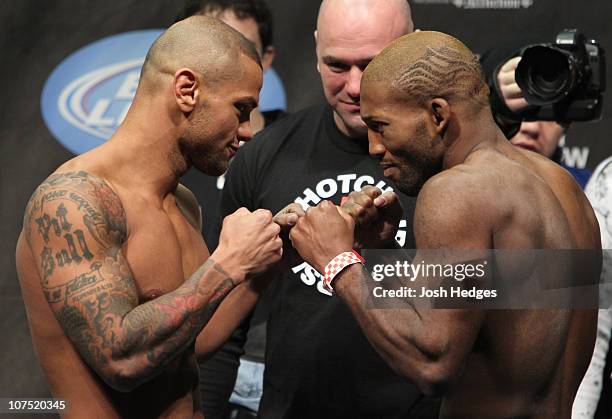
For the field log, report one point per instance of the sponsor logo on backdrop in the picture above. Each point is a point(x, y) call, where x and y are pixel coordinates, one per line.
point(575, 156)
point(482, 4)
point(87, 96)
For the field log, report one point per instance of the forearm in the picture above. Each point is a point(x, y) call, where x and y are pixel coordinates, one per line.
point(414, 342)
point(232, 311)
point(152, 334)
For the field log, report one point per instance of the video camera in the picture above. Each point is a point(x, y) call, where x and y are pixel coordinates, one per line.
point(563, 81)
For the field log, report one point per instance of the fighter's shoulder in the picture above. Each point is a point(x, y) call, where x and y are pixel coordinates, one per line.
point(189, 206)
point(86, 192)
point(459, 183)
point(455, 193)
point(451, 210)
point(502, 173)
point(72, 183)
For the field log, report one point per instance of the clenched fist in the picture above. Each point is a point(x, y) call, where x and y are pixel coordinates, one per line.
point(322, 234)
point(249, 243)
point(376, 216)
point(289, 216)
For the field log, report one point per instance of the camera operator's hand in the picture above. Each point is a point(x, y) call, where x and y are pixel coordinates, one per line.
point(509, 89)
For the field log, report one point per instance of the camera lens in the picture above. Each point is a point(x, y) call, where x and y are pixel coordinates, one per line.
point(545, 75)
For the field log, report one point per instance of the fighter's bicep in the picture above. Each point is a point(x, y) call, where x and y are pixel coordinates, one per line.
point(76, 243)
point(90, 305)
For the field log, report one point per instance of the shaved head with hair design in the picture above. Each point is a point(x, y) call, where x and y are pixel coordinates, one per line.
point(424, 65)
point(421, 95)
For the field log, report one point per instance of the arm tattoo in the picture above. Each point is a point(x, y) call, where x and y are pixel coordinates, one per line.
point(79, 226)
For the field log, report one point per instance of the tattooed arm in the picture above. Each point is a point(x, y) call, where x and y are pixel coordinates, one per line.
point(76, 226)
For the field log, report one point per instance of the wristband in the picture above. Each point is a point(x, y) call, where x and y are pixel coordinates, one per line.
point(337, 264)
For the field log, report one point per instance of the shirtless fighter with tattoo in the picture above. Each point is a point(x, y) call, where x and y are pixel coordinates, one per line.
point(425, 103)
point(117, 280)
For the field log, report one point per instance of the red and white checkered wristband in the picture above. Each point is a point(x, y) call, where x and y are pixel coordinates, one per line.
point(337, 264)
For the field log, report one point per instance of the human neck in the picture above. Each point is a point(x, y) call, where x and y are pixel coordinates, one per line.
point(479, 133)
point(145, 158)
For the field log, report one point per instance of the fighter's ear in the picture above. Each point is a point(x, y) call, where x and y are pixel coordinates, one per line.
point(439, 113)
point(186, 89)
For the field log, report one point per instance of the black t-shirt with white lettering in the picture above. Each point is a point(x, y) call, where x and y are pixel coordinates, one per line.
point(318, 361)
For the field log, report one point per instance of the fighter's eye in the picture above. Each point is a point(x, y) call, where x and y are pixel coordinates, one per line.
point(376, 126)
point(243, 110)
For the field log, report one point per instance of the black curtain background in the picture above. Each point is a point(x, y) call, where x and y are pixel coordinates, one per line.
point(35, 36)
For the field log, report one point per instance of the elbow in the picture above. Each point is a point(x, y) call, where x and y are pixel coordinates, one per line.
point(435, 378)
point(433, 372)
point(433, 362)
point(123, 376)
point(431, 378)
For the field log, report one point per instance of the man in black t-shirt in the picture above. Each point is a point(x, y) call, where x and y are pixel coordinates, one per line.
point(318, 362)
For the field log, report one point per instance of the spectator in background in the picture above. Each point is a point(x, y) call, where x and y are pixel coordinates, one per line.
point(318, 362)
point(594, 398)
point(543, 137)
point(218, 374)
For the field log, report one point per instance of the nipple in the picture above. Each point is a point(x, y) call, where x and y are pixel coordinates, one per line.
point(151, 295)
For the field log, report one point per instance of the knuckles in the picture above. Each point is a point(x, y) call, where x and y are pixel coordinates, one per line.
point(368, 202)
point(275, 229)
point(263, 215)
point(371, 191)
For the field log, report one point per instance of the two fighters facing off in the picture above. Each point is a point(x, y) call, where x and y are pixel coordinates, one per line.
point(119, 284)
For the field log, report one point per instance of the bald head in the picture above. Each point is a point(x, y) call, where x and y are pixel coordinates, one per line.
point(201, 43)
point(390, 13)
point(425, 65)
point(349, 34)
